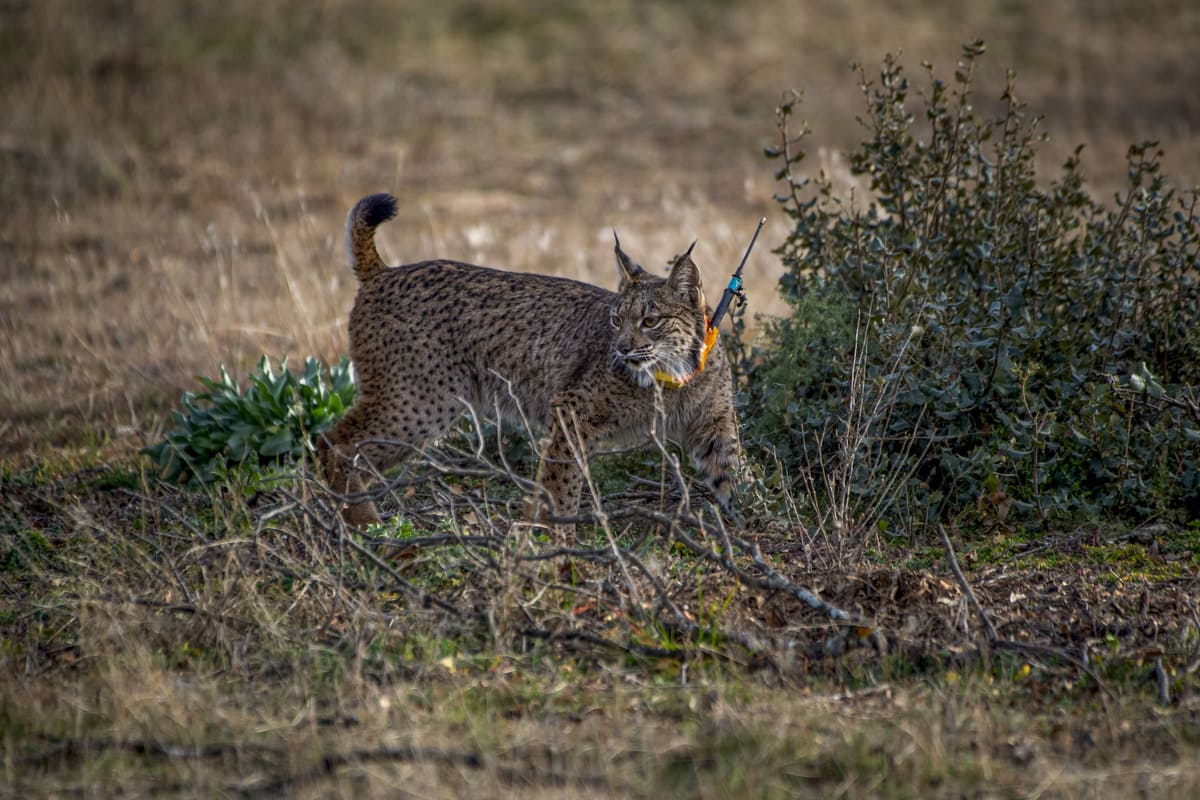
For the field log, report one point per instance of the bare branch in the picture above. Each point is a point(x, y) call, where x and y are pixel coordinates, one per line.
point(988, 628)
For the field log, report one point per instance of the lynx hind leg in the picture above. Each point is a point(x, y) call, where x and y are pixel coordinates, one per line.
point(348, 467)
point(344, 477)
point(369, 439)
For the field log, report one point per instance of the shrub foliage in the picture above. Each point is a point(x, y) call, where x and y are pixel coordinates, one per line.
point(273, 420)
point(967, 338)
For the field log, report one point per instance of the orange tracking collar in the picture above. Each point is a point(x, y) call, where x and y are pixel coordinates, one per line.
point(670, 381)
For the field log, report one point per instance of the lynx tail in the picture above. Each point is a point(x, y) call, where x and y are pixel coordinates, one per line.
point(367, 214)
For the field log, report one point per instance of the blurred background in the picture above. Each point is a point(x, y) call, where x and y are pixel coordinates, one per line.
point(174, 175)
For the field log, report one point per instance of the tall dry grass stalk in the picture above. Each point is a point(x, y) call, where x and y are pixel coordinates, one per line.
point(851, 481)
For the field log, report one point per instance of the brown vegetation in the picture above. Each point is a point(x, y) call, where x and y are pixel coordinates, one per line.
point(173, 180)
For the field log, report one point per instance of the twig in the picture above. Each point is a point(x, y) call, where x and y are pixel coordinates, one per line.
point(71, 747)
point(1187, 404)
point(771, 579)
point(1057, 652)
point(439, 540)
point(633, 649)
point(1194, 661)
point(329, 762)
point(988, 628)
point(993, 639)
point(1164, 684)
point(423, 597)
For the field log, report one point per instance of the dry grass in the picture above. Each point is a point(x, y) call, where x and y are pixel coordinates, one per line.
point(169, 643)
point(173, 180)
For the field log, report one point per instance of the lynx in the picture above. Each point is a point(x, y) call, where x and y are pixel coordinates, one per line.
point(585, 364)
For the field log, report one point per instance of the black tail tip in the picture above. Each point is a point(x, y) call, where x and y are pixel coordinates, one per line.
point(376, 209)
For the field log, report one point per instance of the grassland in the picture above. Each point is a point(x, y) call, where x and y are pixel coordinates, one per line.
point(173, 179)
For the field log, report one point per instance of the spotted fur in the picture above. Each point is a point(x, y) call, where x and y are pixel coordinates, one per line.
point(578, 360)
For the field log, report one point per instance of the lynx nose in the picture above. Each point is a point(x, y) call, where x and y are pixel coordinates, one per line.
point(631, 355)
point(635, 359)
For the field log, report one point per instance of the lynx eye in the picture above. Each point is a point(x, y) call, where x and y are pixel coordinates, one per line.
point(614, 319)
point(651, 322)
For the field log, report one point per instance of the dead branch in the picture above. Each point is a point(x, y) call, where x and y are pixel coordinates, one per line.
point(988, 628)
point(73, 748)
point(993, 639)
point(424, 598)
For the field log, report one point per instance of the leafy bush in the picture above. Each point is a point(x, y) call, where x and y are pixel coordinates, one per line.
point(275, 419)
point(965, 338)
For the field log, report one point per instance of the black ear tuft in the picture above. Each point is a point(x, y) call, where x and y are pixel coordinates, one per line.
point(685, 275)
point(630, 270)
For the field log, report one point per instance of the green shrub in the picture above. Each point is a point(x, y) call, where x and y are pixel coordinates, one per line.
point(274, 420)
point(965, 337)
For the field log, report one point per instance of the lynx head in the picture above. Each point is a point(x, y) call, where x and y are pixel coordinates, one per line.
point(658, 323)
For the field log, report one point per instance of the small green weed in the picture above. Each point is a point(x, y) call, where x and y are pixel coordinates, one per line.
point(273, 420)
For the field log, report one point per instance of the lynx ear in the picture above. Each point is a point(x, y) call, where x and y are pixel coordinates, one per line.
point(631, 271)
point(685, 275)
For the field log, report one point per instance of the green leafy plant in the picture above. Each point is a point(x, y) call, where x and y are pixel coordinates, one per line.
point(966, 338)
point(275, 419)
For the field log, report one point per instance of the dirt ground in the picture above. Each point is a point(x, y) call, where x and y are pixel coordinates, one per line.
point(174, 177)
point(149, 649)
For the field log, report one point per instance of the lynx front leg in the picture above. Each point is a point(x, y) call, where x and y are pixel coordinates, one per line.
point(561, 469)
point(716, 453)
